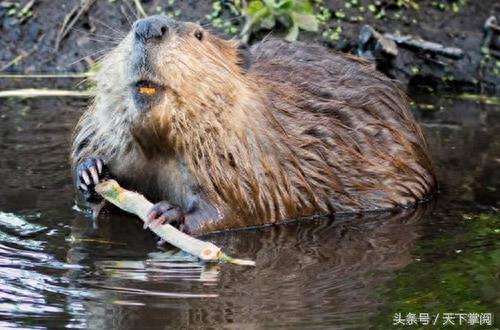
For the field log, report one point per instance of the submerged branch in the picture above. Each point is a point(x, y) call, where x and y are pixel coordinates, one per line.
point(137, 204)
point(426, 46)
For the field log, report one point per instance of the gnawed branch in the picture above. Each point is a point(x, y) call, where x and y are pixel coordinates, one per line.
point(137, 204)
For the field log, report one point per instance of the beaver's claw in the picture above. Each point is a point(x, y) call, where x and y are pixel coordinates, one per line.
point(88, 175)
point(163, 213)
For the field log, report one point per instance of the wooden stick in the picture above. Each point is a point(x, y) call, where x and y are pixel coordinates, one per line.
point(71, 19)
point(18, 59)
point(140, 8)
point(427, 46)
point(48, 75)
point(137, 204)
point(31, 92)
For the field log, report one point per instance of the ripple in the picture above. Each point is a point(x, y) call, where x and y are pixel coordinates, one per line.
point(31, 278)
point(19, 225)
point(164, 294)
point(14, 325)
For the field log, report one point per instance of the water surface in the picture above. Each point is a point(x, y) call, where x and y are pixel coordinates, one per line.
point(59, 268)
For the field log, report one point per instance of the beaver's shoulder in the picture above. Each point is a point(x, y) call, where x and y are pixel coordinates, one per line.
point(315, 78)
point(301, 64)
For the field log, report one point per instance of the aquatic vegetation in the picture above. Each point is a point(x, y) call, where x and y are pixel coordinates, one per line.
point(454, 6)
point(491, 100)
point(22, 13)
point(265, 14)
point(413, 4)
point(229, 26)
point(450, 271)
point(332, 34)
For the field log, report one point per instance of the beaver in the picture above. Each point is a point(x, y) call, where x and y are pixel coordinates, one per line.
point(222, 135)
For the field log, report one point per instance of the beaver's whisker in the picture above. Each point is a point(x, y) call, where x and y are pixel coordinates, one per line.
point(214, 56)
point(81, 82)
point(131, 9)
point(127, 17)
point(266, 37)
point(103, 41)
point(119, 33)
point(98, 35)
point(100, 57)
point(91, 33)
point(90, 55)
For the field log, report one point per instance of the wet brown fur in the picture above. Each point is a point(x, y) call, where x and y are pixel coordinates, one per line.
point(305, 131)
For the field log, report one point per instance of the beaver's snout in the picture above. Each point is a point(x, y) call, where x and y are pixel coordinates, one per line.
point(145, 85)
point(153, 28)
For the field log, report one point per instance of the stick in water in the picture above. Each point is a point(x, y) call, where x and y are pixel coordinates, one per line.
point(137, 204)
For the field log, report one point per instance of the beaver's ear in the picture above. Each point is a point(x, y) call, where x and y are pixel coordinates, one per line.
point(244, 57)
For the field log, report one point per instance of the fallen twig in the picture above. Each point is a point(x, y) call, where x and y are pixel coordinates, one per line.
point(47, 75)
point(71, 19)
point(490, 100)
point(30, 92)
point(18, 59)
point(140, 8)
point(424, 45)
point(491, 23)
point(491, 29)
point(137, 204)
point(371, 44)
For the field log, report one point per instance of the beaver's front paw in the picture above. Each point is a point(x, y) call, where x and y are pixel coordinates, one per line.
point(88, 174)
point(163, 213)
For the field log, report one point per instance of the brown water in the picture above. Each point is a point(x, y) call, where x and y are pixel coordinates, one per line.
point(59, 268)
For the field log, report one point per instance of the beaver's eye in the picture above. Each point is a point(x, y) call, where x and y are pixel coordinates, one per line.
point(199, 35)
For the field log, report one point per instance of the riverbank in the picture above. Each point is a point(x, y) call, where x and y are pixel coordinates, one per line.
point(39, 36)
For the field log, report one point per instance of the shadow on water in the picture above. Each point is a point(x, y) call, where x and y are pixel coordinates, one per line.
point(59, 268)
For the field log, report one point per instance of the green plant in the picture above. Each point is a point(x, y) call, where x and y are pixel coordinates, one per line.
point(408, 4)
point(264, 14)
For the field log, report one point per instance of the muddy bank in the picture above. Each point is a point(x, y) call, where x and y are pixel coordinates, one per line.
point(458, 24)
point(35, 38)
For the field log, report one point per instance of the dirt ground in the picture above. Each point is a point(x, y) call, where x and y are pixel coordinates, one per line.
point(30, 39)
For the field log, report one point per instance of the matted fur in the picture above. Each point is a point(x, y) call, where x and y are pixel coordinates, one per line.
point(305, 131)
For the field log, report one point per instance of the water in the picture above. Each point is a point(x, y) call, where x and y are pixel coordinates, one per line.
point(58, 268)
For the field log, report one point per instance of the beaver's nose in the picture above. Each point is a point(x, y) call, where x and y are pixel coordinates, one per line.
point(152, 28)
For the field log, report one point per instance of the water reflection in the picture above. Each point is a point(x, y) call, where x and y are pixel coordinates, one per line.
point(324, 271)
point(464, 139)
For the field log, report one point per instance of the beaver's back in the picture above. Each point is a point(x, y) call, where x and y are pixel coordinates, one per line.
point(348, 124)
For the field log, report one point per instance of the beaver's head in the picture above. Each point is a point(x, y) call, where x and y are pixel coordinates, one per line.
point(173, 78)
point(178, 66)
